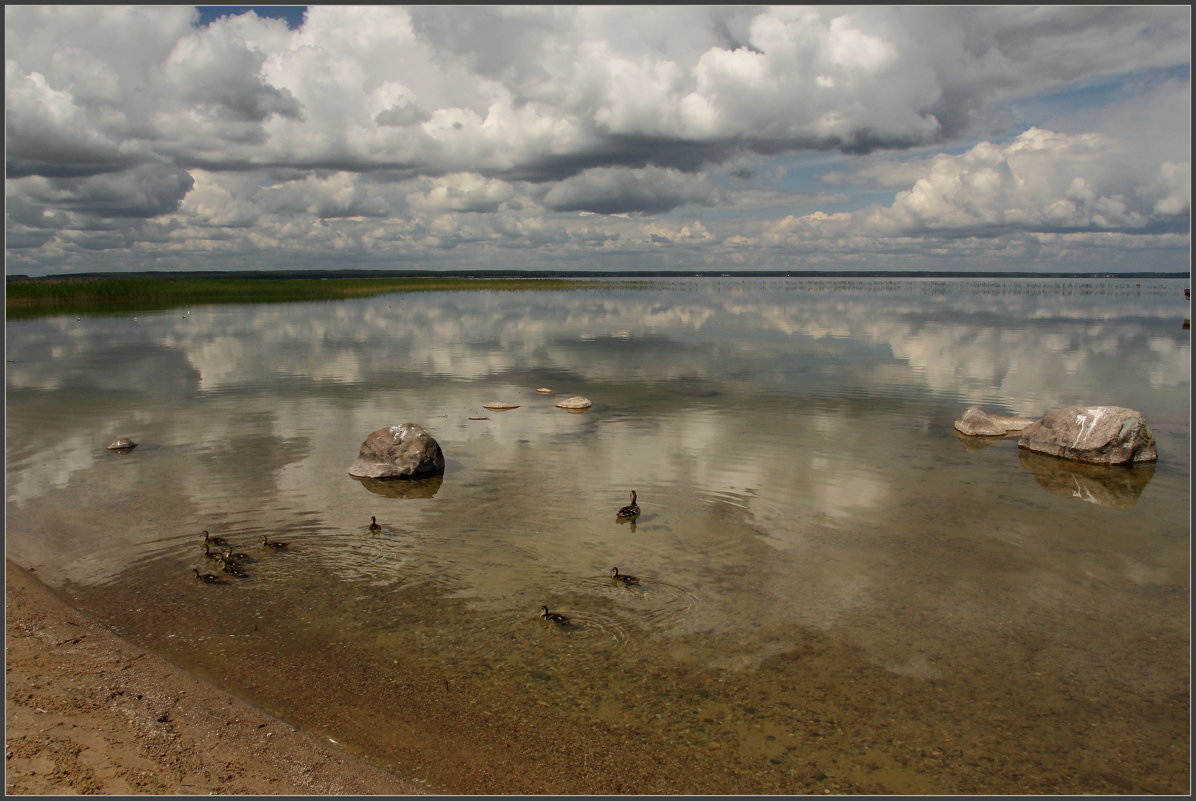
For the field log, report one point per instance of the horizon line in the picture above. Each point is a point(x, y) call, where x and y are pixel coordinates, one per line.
point(381, 273)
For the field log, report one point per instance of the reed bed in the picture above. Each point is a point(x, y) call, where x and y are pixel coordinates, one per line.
point(139, 293)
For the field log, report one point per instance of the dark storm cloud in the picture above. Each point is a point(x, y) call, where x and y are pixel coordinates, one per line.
point(609, 190)
point(145, 191)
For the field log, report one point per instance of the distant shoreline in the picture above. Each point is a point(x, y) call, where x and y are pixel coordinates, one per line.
point(144, 292)
point(575, 274)
point(116, 293)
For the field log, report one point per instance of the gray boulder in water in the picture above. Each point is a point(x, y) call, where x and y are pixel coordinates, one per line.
point(402, 451)
point(1092, 434)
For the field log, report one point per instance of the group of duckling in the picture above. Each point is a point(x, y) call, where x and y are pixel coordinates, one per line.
point(228, 560)
point(628, 512)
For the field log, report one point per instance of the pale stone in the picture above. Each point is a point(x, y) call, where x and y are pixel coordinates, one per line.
point(544, 391)
point(402, 451)
point(500, 405)
point(975, 422)
point(122, 444)
point(576, 402)
point(1092, 434)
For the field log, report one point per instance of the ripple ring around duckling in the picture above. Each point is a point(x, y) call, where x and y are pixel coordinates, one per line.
point(655, 604)
point(589, 625)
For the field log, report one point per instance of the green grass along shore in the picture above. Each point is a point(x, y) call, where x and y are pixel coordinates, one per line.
point(140, 293)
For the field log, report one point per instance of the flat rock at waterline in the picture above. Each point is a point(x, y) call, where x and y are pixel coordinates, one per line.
point(576, 402)
point(975, 422)
point(402, 451)
point(122, 444)
point(500, 405)
point(1092, 434)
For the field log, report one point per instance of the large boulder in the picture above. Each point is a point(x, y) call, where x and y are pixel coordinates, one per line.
point(1092, 434)
point(402, 451)
point(975, 422)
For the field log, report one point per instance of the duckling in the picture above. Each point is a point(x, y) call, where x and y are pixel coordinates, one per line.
point(229, 556)
point(208, 552)
point(276, 545)
point(553, 617)
point(208, 577)
point(374, 524)
point(214, 540)
point(615, 575)
point(630, 510)
point(230, 568)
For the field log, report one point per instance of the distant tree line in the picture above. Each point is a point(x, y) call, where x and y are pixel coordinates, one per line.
point(632, 274)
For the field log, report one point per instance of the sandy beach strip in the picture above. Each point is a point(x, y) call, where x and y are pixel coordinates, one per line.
point(89, 713)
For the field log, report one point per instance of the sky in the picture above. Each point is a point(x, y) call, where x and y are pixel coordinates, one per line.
point(622, 137)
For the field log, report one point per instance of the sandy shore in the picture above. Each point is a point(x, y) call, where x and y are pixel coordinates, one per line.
point(88, 712)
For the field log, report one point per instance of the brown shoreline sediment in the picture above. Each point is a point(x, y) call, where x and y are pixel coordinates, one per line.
point(834, 722)
point(88, 712)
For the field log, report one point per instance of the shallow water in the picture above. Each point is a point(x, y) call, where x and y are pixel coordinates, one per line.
point(837, 592)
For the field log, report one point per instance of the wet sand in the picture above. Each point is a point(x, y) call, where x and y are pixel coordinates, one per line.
point(89, 713)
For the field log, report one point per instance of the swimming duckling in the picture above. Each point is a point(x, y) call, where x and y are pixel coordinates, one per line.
point(553, 617)
point(208, 552)
point(214, 540)
point(208, 577)
point(267, 544)
point(230, 568)
point(229, 556)
point(630, 510)
point(615, 575)
point(374, 524)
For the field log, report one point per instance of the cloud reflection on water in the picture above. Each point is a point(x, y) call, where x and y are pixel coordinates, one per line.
point(784, 430)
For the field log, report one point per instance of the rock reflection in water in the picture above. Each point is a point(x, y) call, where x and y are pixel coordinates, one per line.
point(972, 444)
point(1118, 486)
point(402, 487)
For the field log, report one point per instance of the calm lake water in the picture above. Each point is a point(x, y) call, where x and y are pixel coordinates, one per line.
point(837, 592)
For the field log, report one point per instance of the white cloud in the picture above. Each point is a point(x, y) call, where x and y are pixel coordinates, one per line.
point(245, 131)
point(1041, 181)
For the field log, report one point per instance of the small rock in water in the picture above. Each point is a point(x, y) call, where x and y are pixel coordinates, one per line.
point(122, 444)
point(544, 391)
point(576, 402)
point(500, 405)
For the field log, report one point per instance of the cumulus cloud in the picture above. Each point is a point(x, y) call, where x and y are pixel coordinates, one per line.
point(462, 192)
point(424, 118)
point(48, 132)
point(220, 72)
point(610, 190)
point(1040, 182)
point(143, 191)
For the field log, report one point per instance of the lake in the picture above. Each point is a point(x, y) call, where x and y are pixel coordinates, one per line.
point(837, 592)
